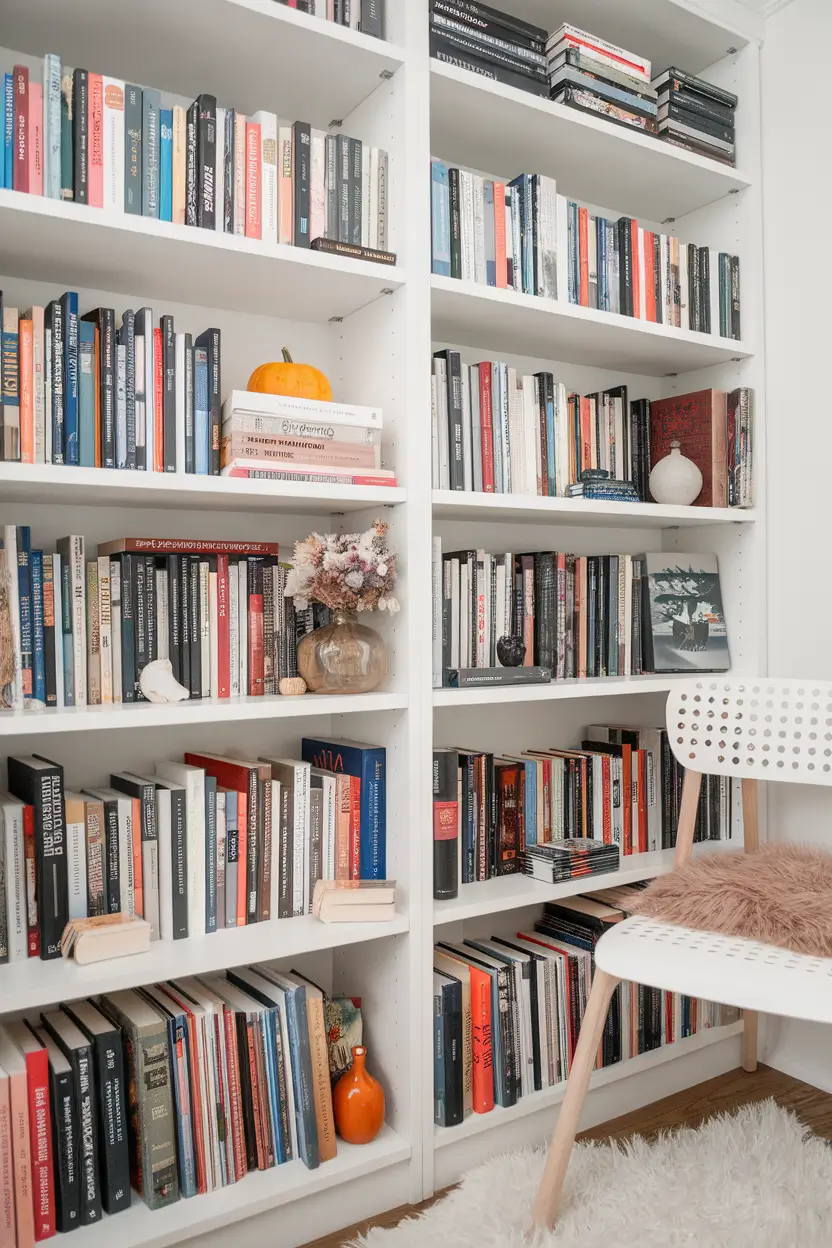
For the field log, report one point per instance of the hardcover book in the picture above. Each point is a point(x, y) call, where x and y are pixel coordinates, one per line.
point(684, 614)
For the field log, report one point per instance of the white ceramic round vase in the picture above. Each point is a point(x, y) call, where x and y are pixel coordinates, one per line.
point(675, 479)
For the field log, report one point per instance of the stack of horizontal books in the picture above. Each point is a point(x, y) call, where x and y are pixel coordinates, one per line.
point(488, 42)
point(696, 115)
point(589, 74)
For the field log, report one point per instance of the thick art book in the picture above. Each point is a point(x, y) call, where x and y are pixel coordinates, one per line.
point(683, 600)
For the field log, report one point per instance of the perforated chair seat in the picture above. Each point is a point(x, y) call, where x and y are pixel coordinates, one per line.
point(728, 969)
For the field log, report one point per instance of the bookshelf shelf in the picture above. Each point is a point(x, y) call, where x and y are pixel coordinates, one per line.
point(266, 50)
point(477, 1123)
point(467, 314)
point(258, 1192)
point(40, 984)
point(485, 125)
point(597, 687)
point(520, 509)
point(143, 715)
point(52, 240)
point(107, 487)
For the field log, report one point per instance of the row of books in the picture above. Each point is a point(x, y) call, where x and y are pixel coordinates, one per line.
point(510, 619)
point(174, 1090)
point(84, 390)
point(508, 1011)
point(273, 437)
point(205, 844)
point(498, 432)
point(364, 15)
point(500, 815)
point(86, 137)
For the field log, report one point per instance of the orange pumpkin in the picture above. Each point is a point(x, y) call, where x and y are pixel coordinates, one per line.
point(298, 381)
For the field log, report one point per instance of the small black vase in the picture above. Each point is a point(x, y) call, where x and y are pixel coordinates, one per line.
point(511, 651)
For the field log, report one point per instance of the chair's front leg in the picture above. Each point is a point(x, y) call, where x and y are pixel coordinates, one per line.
point(560, 1149)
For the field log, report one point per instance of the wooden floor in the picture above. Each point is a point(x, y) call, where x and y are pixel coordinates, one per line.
point(687, 1108)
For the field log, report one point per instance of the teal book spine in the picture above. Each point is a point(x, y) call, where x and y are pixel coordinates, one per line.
point(440, 220)
point(166, 164)
point(86, 394)
point(67, 140)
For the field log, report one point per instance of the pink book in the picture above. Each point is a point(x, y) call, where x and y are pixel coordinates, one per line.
point(95, 130)
point(36, 138)
point(7, 1231)
point(253, 227)
point(13, 1063)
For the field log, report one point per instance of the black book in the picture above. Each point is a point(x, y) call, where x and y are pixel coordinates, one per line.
point(127, 339)
point(169, 391)
point(128, 626)
point(133, 155)
point(453, 372)
point(675, 78)
point(40, 784)
point(625, 265)
point(449, 1097)
point(209, 341)
point(544, 609)
point(78, 1051)
point(192, 165)
point(195, 627)
point(109, 832)
point(207, 162)
point(227, 206)
point(54, 323)
point(456, 223)
point(179, 855)
point(640, 423)
point(332, 197)
point(707, 126)
point(302, 140)
point(80, 135)
point(445, 823)
point(184, 621)
point(693, 102)
point(190, 418)
point(104, 320)
point(150, 605)
point(354, 219)
point(481, 16)
point(108, 1067)
point(735, 298)
point(139, 574)
point(704, 289)
point(66, 1135)
point(694, 298)
point(342, 235)
point(465, 53)
point(371, 20)
point(175, 614)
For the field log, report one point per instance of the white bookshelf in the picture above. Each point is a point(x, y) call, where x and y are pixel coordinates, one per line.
point(371, 329)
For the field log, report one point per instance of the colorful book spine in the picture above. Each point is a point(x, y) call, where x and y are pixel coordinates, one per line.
point(133, 150)
point(69, 304)
point(38, 655)
point(8, 131)
point(21, 128)
point(367, 764)
point(95, 130)
point(113, 103)
point(166, 164)
point(151, 106)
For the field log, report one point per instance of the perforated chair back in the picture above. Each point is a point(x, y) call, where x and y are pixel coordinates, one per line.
point(753, 728)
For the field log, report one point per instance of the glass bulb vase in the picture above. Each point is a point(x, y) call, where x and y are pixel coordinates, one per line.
point(343, 657)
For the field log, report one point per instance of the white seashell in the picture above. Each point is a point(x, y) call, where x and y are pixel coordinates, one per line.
point(158, 683)
point(33, 705)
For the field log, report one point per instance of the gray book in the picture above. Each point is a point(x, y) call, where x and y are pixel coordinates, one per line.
point(133, 161)
point(316, 844)
point(355, 183)
point(371, 21)
point(222, 850)
point(490, 242)
point(332, 187)
point(232, 857)
point(210, 854)
point(151, 104)
point(343, 188)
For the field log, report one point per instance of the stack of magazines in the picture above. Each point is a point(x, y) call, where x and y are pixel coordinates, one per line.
point(569, 859)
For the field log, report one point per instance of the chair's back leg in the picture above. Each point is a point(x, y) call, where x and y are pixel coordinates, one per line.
point(687, 817)
point(751, 839)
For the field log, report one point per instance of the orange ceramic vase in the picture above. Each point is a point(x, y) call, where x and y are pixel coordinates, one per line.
point(358, 1102)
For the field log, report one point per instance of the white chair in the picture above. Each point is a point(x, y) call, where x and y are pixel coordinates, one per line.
point(752, 729)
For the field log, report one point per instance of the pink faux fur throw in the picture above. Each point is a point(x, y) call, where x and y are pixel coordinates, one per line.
point(781, 895)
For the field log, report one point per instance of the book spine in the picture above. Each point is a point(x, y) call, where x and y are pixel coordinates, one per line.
point(65, 1128)
point(169, 393)
point(22, 137)
point(114, 1163)
point(302, 139)
point(133, 154)
point(445, 824)
point(24, 598)
point(192, 165)
point(151, 106)
point(206, 162)
point(252, 181)
point(40, 1144)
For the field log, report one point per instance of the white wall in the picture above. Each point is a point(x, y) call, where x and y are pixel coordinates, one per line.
point(797, 193)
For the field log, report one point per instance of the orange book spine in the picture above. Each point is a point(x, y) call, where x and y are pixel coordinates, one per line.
point(355, 828)
point(255, 1099)
point(342, 835)
point(627, 799)
point(649, 275)
point(586, 433)
point(481, 1042)
point(235, 1093)
point(641, 772)
point(500, 234)
point(97, 390)
point(7, 1231)
point(27, 405)
point(95, 125)
point(158, 408)
point(636, 270)
point(242, 857)
point(583, 244)
point(136, 832)
point(23, 1192)
point(253, 214)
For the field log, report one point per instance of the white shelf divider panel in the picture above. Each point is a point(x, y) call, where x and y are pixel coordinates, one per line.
point(467, 314)
point(251, 54)
point(107, 487)
point(597, 687)
point(482, 124)
point(590, 513)
point(476, 1124)
point(56, 241)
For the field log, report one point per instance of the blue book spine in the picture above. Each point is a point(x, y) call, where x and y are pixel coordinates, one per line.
point(603, 290)
point(201, 411)
point(10, 395)
point(369, 763)
point(551, 462)
point(151, 107)
point(52, 126)
point(440, 219)
point(24, 593)
point(69, 304)
point(54, 327)
point(66, 631)
point(166, 164)
point(180, 1057)
point(530, 768)
point(298, 1029)
point(38, 658)
point(8, 130)
point(86, 394)
point(210, 854)
point(272, 1050)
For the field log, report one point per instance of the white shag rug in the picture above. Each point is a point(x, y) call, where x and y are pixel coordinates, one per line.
point(756, 1179)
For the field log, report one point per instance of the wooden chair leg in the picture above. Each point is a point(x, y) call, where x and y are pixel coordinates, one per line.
point(751, 840)
point(560, 1148)
point(687, 817)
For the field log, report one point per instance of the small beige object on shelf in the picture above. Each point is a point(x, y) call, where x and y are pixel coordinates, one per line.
point(105, 936)
point(292, 686)
point(354, 901)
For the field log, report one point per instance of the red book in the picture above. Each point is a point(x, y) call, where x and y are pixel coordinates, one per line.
point(586, 433)
point(487, 429)
point(95, 149)
point(242, 858)
point(627, 799)
point(481, 1043)
point(256, 657)
point(158, 404)
point(40, 1128)
point(699, 421)
point(649, 275)
point(196, 1086)
point(500, 234)
point(35, 138)
point(223, 629)
point(31, 896)
point(20, 158)
point(355, 828)
point(606, 769)
point(253, 228)
point(640, 765)
point(235, 1093)
point(583, 254)
point(636, 270)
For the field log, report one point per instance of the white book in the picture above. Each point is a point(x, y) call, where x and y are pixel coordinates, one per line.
point(500, 602)
point(162, 620)
point(506, 207)
point(317, 185)
point(273, 413)
point(141, 399)
point(145, 349)
point(664, 265)
point(76, 854)
point(219, 174)
point(268, 174)
point(113, 136)
point(562, 247)
point(274, 878)
point(684, 288)
point(466, 195)
point(286, 770)
point(383, 180)
point(14, 859)
point(58, 598)
point(105, 633)
point(531, 436)
point(365, 195)
point(456, 611)
point(548, 236)
point(205, 629)
point(213, 637)
point(329, 822)
point(35, 315)
point(713, 264)
point(436, 634)
point(115, 625)
point(285, 186)
point(464, 615)
point(479, 230)
point(561, 440)
point(467, 445)
point(239, 173)
point(434, 436)
point(180, 160)
point(179, 402)
point(515, 483)
point(233, 632)
point(642, 306)
point(163, 833)
point(72, 550)
point(193, 781)
point(10, 551)
point(222, 858)
point(242, 625)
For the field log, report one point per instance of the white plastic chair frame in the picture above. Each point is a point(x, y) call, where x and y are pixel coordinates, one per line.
point(754, 729)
